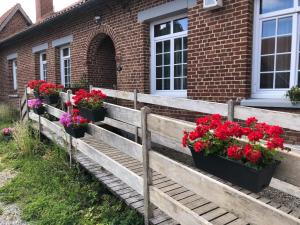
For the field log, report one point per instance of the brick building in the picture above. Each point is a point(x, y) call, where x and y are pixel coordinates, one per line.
point(245, 49)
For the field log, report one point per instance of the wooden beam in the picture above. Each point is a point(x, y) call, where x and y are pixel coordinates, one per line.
point(246, 207)
point(124, 145)
point(283, 119)
point(174, 209)
point(54, 111)
point(117, 94)
point(129, 177)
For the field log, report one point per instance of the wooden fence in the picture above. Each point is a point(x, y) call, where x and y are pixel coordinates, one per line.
point(168, 131)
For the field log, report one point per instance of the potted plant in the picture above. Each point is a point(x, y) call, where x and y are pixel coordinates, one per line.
point(36, 105)
point(294, 95)
point(74, 124)
point(35, 86)
point(7, 134)
point(90, 104)
point(50, 92)
point(215, 149)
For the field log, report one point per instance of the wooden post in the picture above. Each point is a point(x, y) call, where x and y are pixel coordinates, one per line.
point(62, 104)
point(20, 107)
point(69, 92)
point(231, 104)
point(146, 142)
point(40, 127)
point(136, 131)
point(27, 107)
point(91, 88)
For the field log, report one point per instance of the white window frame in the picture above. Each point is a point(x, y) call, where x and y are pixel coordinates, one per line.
point(172, 36)
point(62, 68)
point(257, 30)
point(43, 67)
point(15, 74)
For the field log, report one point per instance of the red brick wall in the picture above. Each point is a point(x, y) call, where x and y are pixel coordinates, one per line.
point(17, 23)
point(43, 8)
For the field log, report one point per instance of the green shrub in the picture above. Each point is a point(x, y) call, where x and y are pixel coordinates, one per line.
point(8, 113)
point(294, 95)
point(26, 139)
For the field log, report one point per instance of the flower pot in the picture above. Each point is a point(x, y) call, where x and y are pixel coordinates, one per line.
point(235, 172)
point(94, 115)
point(76, 132)
point(39, 111)
point(37, 95)
point(52, 99)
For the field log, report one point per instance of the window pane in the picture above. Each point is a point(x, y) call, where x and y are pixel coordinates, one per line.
point(158, 72)
point(162, 29)
point(159, 47)
point(65, 63)
point(166, 46)
point(167, 59)
point(184, 84)
point(283, 62)
point(185, 43)
point(184, 70)
point(177, 83)
point(159, 84)
point(268, 46)
point(44, 57)
point(167, 71)
point(298, 79)
point(180, 25)
point(274, 5)
point(267, 63)
point(178, 44)
point(178, 57)
point(266, 80)
point(167, 84)
point(282, 80)
point(184, 56)
point(66, 52)
point(158, 60)
point(285, 26)
point(177, 71)
point(284, 44)
point(268, 28)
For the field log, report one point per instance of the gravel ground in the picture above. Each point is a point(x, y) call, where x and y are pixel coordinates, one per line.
point(9, 214)
point(277, 196)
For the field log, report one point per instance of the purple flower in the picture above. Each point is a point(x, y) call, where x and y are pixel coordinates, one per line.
point(66, 120)
point(7, 131)
point(34, 103)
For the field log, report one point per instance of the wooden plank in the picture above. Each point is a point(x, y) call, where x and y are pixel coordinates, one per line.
point(130, 116)
point(185, 104)
point(283, 119)
point(112, 166)
point(117, 94)
point(127, 146)
point(177, 211)
point(288, 170)
point(226, 197)
point(285, 187)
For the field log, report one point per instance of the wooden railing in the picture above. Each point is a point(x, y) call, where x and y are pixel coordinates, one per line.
point(152, 127)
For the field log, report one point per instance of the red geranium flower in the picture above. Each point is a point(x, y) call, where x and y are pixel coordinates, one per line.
point(199, 146)
point(250, 121)
point(235, 152)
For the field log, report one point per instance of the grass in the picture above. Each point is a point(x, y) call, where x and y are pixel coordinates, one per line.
point(48, 191)
point(1, 211)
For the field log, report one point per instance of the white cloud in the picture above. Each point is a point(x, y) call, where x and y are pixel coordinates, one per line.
point(29, 6)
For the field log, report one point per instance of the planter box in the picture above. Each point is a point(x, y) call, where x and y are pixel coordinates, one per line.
point(93, 115)
point(52, 99)
point(76, 132)
point(235, 172)
point(39, 111)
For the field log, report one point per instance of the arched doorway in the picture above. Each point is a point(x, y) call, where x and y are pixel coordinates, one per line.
point(101, 62)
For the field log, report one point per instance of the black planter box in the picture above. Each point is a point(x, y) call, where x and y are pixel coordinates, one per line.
point(93, 115)
point(76, 132)
point(39, 111)
point(235, 172)
point(52, 99)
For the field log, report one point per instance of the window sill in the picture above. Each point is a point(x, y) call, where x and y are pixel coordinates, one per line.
point(13, 96)
point(269, 103)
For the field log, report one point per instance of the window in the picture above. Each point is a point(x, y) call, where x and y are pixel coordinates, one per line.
point(169, 57)
point(14, 73)
point(276, 64)
point(43, 66)
point(65, 66)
